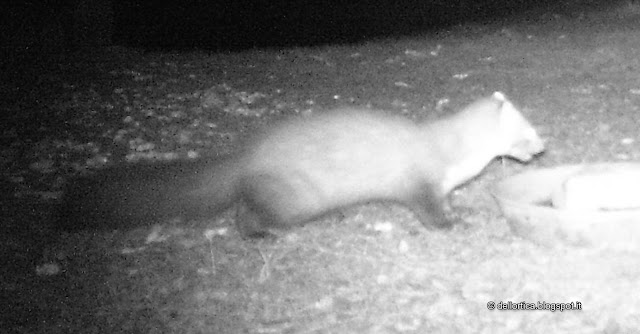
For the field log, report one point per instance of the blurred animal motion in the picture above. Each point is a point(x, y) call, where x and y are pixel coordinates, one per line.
point(305, 167)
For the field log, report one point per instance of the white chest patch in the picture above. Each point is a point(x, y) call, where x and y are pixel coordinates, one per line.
point(465, 170)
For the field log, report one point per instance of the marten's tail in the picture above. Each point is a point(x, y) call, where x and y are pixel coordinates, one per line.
point(214, 188)
point(145, 194)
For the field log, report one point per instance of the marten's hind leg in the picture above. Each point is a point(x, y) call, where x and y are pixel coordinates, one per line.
point(427, 205)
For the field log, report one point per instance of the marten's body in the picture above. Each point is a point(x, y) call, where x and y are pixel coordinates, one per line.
point(303, 168)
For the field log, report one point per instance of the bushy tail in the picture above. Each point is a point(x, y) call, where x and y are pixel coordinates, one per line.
point(215, 189)
point(145, 194)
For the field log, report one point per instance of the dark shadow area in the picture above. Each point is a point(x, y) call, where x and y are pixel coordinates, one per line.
point(53, 26)
point(237, 25)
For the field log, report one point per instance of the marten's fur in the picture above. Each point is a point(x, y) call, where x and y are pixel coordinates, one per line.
point(303, 168)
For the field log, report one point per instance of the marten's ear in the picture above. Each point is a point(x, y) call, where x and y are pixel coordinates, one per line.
point(499, 98)
point(510, 116)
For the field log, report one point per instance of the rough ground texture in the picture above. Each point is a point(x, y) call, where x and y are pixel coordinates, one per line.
point(575, 76)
